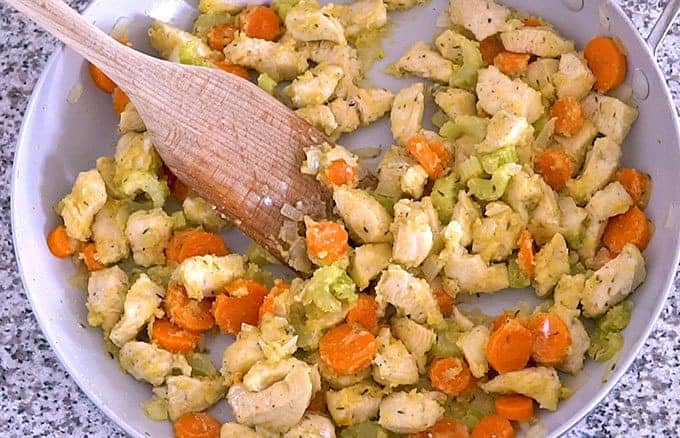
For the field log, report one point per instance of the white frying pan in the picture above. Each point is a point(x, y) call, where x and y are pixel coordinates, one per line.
point(59, 139)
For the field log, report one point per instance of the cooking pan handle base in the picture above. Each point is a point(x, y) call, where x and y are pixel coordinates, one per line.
point(663, 24)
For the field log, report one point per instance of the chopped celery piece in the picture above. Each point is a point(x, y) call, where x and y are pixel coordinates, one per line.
point(160, 274)
point(282, 7)
point(201, 365)
point(604, 345)
point(515, 276)
point(205, 22)
point(446, 341)
point(368, 429)
point(265, 82)
point(148, 183)
point(465, 76)
point(469, 169)
point(540, 123)
point(385, 201)
point(491, 162)
point(439, 118)
point(179, 221)
point(472, 126)
point(328, 287)
point(444, 194)
point(616, 318)
point(258, 255)
point(188, 54)
point(262, 276)
point(492, 189)
point(156, 408)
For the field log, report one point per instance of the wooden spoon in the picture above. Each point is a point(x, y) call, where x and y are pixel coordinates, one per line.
point(230, 141)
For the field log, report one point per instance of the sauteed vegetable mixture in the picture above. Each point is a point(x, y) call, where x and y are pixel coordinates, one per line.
point(519, 186)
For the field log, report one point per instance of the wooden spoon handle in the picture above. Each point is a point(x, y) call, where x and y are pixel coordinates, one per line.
point(72, 29)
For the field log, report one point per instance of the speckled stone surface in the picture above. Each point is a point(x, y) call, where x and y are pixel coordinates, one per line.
point(38, 398)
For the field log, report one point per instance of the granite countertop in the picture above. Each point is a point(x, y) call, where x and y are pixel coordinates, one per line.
point(38, 398)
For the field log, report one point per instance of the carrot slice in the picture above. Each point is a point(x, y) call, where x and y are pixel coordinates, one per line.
point(569, 116)
point(91, 262)
point(525, 255)
point(233, 69)
point(269, 306)
point(60, 244)
point(194, 242)
point(221, 35)
point(607, 61)
point(533, 22)
point(347, 349)
point(364, 313)
point(509, 346)
point(120, 100)
point(490, 47)
point(493, 426)
point(429, 153)
point(637, 184)
point(262, 22)
point(512, 64)
point(102, 81)
point(629, 227)
point(445, 301)
point(555, 167)
point(242, 306)
point(175, 339)
point(551, 338)
point(186, 313)
point(339, 173)
point(444, 428)
point(197, 425)
point(327, 241)
point(175, 244)
point(450, 375)
point(515, 407)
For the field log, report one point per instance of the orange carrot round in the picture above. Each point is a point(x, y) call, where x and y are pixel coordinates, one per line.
point(233, 69)
point(262, 22)
point(569, 116)
point(268, 306)
point(221, 35)
point(515, 407)
point(555, 167)
point(509, 346)
point(607, 61)
point(493, 426)
point(175, 339)
point(444, 428)
point(445, 301)
point(59, 242)
point(202, 243)
point(489, 48)
point(364, 313)
point(197, 425)
point(551, 338)
point(327, 241)
point(512, 64)
point(525, 255)
point(339, 173)
point(637, 184)
point(429, 153)
point(347, 349)
point(120, 100)
point(102, 81)
point(629, 227)
point(242, 305)
point(186, 313)
point(533, 22)
point(450, 375)
point(88, 252)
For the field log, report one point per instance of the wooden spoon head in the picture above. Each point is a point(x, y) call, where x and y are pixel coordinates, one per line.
point(235, 145)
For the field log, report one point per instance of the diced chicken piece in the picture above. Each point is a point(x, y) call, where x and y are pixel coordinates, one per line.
point(413, 234)
point(540, 383)
point(481, 17)
point(538, 41)
point(315, 86)
point(366, 218)
point(574, 78)
point(393, 365)
point(312, 426)
point(354, 404)
point(466, 212)
point(545, 219)
point(402, 5)
point(145, 361)
point(361, 16)
point(578, 144)
point(407, 113)
point(410, 295)
point(394, 163)
point(337, 381)
point(420, 60)
point(79, 207)
point(611, 116)
point(149, 232)
point(281, 61)
point(204, 276)
point(192, 394)
point(540, 75)
point(168, 41)
point(235, 430)
point(108, 232)
point(505, 130)
point(215, 6)
point(264, 374)
point(569, 290)
point(319, 116)
point(106, 290)
point(368, 261)
point(346, 115)
point(473, 345)
point(613, 282)
point(242, 354)
point(410, 412)
point(372, 103)
point(523, 194)
point(414, 180)
point(343, 55)
point(599, 168)
point(130, 120)
point(141, 303)
point(473, 275)
point(417, 339)
point(495, 236)
point(305, 22)
point(552, 261)
point(497, 92)
point(456, 102)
